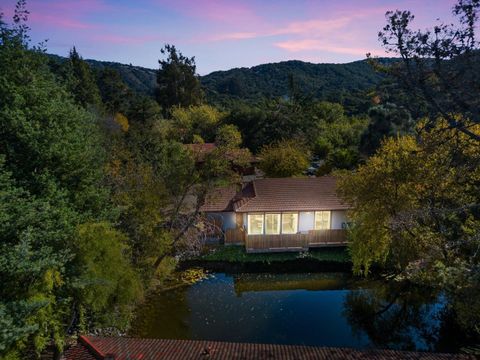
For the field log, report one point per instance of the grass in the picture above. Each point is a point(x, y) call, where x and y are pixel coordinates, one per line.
point(239, 255)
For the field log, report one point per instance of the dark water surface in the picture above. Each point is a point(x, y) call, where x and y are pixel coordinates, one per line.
point(326, 309)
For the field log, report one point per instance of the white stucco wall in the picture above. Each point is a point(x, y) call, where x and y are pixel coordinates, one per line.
point(306, 221)
point(228, 219)
point(338, 217)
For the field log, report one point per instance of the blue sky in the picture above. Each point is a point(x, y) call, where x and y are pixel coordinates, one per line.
point(221, 34)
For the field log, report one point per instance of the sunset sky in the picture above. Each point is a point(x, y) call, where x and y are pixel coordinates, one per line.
point(221, 34)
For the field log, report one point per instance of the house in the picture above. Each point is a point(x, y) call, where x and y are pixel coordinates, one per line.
point(281, 214)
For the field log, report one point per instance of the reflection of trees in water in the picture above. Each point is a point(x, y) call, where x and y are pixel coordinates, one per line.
point(397, 316)
point(164, 315)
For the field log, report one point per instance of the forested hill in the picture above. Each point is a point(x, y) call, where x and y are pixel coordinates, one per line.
point(321, 81)
point(141, 80)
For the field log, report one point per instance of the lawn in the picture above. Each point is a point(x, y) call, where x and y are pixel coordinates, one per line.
point(238, 254)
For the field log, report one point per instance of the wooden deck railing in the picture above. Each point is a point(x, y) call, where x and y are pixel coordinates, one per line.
point(295, 242)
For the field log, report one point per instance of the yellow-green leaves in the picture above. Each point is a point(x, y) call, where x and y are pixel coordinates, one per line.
point(284, 159)
point(412, 201)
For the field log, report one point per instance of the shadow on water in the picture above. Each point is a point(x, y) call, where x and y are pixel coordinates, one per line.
point(322, 309)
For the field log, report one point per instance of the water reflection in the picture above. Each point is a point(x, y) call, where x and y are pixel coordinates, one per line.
point(311, 309)
point(397, 317)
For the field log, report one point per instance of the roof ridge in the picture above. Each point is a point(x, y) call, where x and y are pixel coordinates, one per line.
point(245, 199)
point(95, 351)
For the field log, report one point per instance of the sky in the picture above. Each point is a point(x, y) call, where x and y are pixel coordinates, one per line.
point(221, 34)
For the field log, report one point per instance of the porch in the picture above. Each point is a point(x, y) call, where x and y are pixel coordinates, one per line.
point(286, 242)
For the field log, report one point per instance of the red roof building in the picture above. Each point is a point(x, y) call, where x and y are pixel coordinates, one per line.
point(123, 348)
point(280, 214)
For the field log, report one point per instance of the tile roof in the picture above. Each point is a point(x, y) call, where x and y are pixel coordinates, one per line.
point(220, 200)
point(122, 348)
point(281, 194)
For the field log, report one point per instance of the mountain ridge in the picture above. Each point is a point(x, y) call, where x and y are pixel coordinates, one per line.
point(325, 81)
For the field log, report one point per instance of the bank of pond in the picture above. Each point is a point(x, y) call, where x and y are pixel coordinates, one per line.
point(234, 259)
point(330, 309)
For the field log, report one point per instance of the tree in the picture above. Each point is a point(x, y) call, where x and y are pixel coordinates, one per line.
point(82, 81)
point(228, 136)
point(178, 84)
point(415, 212)
point(415, 207)
point(387, 120)
point(114, 92)
point(52, 192)
point(440, 66)
point(201, 120)
point(284, 159)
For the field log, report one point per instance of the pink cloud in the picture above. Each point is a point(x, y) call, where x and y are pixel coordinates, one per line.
point(311, 28)
point(59, 22)
point(319, 45)
point(234, 36)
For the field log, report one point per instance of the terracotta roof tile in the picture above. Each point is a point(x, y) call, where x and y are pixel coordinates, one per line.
point(294, 194)
point(220, 200)
point(282, 194)
point(121, 348)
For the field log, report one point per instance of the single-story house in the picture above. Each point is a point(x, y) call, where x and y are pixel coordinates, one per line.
point(280, 214)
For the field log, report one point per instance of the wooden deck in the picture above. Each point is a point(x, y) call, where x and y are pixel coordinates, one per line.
point(295, 242)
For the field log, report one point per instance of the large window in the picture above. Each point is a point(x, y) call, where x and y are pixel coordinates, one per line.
point(255, 224)
point(289, 223)
point(272, 224)
point(322, 220)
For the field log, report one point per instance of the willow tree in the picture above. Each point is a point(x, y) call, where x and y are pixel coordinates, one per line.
point(416, 205)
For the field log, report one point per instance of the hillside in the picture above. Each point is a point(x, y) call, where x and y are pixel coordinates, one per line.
point(321, 81)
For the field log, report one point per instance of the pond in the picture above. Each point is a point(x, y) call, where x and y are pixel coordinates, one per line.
point(321, 309)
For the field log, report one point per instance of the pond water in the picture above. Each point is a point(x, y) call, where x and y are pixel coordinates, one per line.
point(326, 309)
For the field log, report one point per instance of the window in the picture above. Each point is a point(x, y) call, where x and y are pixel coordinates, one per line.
point(272, 224)
point(322, 220)
point(289, 223)
point(255, 224)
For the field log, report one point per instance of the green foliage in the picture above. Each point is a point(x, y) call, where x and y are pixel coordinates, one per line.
point(115, 94)
point(337, 82)
point(412, 206)
point(387, 120)
point(228, 136)
point(336, 136)
point(83, 86)
point(237, 254)
point(34, 234)
point(51, 182)
point(201, 120)
point(177, 83)
point(140, 194)
point(108, 279)
point(379, 190)
point(284, 159)
point(440, 67)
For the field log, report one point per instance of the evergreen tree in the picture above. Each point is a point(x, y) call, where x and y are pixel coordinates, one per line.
point(83, 85)
point(177, 82)
point(52, 196)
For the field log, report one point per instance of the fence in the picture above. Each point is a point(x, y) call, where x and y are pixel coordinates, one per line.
point(295, 242)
